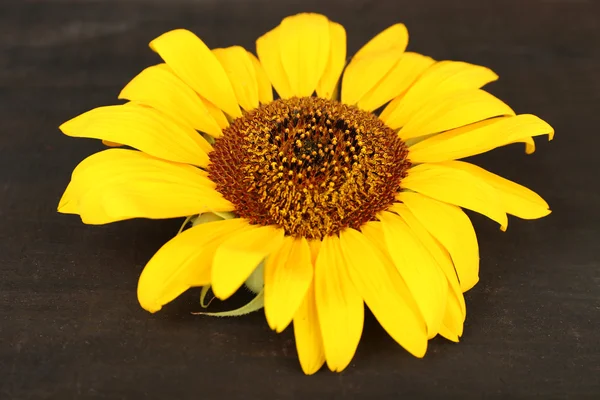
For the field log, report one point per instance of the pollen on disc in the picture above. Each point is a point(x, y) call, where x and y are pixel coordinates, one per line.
point(309, 165)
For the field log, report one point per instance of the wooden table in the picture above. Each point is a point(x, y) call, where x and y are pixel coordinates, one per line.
point(70, 324)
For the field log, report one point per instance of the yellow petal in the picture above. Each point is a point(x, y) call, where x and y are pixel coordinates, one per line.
point(457, 187)
point(307, 332)
point(340, 307)
point(144, 129)
point(216, 113)
point(373, 230)
point(445, 332)
point(418, 269)
point(183, 262)
point(382, 288)
point(454, 315)
point(315, 246)
point(453, 111)
point(516, 199)
point(267, 48)
point(441, 256)
point(389, 112)
point(240, 254)
point(119, 184)
point(241, 73)
point(304, 48)
point(393, 38)
point(158, 87)
point(453, 229)
point(479, 138)
point(397, 81)
point(441, 79)
point(335, 64)
point(454, 318)
point(529, 144)
point(108, 143)
point(372, 62)
point(194, 63)
point(265, 92)
point(288, 274)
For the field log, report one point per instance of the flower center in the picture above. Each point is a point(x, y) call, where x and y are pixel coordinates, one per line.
point(309, 165)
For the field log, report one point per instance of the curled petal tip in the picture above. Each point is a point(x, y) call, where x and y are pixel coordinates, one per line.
point(150, 306)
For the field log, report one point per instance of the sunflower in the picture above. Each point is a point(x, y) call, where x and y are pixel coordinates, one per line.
point(345, 190)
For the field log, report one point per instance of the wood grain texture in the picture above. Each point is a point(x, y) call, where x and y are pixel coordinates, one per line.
point(70, 325)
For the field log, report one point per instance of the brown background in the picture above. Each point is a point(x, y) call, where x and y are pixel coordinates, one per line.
point(70, 325)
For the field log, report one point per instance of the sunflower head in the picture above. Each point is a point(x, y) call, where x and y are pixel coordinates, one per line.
point(319, 205)
point(309, 165)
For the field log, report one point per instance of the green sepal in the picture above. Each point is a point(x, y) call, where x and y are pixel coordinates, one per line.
point(203, 294)
point(255, 304)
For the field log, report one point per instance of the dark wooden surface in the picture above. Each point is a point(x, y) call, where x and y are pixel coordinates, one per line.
point(70, 325)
